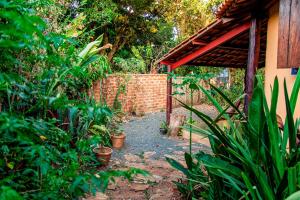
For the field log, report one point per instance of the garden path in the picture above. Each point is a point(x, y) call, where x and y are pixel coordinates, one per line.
point(146, 148)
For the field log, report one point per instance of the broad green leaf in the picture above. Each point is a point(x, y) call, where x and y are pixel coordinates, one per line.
point(294, 196)
point(290, 121)
point(189, 161)
point(229, 101)
point(177, 166)
point(7, 193)
point(249, 185)
point(292, 180)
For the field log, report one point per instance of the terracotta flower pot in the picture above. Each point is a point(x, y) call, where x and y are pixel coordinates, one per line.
point(103, 154)
point(118, 141)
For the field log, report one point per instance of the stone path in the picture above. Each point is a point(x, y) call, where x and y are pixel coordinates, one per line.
point(145, 148)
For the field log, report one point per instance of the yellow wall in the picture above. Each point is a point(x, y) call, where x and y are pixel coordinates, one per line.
point(271, 70)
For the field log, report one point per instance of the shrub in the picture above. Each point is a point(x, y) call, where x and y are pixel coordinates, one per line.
point(250, 158)
point(46, 112)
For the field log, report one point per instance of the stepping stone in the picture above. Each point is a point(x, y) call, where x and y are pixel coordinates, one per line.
point(179, 152)
point(183, 144)
point(112, 186)
point(147, 179)
point(99, 196)
point(171, 156)
point(157, 178)
point(162, 191)
point(137, 165)
point(149, 154)
point(132, 158)
point(159, 164)
point(138, 187)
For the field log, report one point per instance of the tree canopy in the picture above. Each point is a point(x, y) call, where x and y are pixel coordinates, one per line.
point(139, 31)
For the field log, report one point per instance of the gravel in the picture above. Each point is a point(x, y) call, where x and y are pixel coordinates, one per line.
point(142, 135)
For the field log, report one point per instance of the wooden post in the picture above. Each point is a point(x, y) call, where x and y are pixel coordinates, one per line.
point(253, 59)
point(169, 98)
point(289, 34)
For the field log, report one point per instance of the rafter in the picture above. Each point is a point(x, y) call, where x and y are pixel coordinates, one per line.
point(210, 46)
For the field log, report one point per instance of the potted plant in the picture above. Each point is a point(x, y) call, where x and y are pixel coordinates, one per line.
point(103, 154)
point(102, 150)
point(163, 128)
point(117, 134)
point(118, 138)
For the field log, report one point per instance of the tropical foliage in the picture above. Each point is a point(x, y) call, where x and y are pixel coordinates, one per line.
point(151, 26)
point(46, 113)
point(192, 82)
point(252, 157)
point(188, 16)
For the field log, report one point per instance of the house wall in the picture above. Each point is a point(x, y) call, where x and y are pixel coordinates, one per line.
point(271, 70)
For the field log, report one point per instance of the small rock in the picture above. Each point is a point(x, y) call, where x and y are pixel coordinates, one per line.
point(170, 156)
point(117, 162)
point(157, 178)
point(148, 154)
point(132, 158)
point(183, 144)
point(137, 165)
point(147, 179)
point(141, 179)
point(112, 186)
point(98, 196)
point(178, 152)
point(159, 194)
point(176, 122)
point(159, 164)
point(156, 197)
point(139, 187)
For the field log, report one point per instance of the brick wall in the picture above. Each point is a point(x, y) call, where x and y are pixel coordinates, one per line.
point(144, 93)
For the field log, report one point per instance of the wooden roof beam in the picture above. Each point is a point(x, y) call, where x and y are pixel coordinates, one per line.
point(165, 63)
point(210, 46)
point(198, 42)
point(233, 48)
point(201, 43)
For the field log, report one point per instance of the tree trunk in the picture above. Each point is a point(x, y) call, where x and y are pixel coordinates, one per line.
point(119, 44)
point(114, 49)
point(105, 41)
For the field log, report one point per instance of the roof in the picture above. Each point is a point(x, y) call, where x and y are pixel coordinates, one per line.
point(233, 52)
point(239, 8)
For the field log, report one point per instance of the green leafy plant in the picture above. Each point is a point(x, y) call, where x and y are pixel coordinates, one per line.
point(114, 126)
point(164, 125)
point(102, 132)
point(46, 111)
point(252, 158)
point(117, 104)
point(196, 183)
point(129, 65)
point(164, 128)
point(192, 82)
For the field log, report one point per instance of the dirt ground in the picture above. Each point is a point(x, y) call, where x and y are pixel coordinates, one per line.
point(147, 149)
